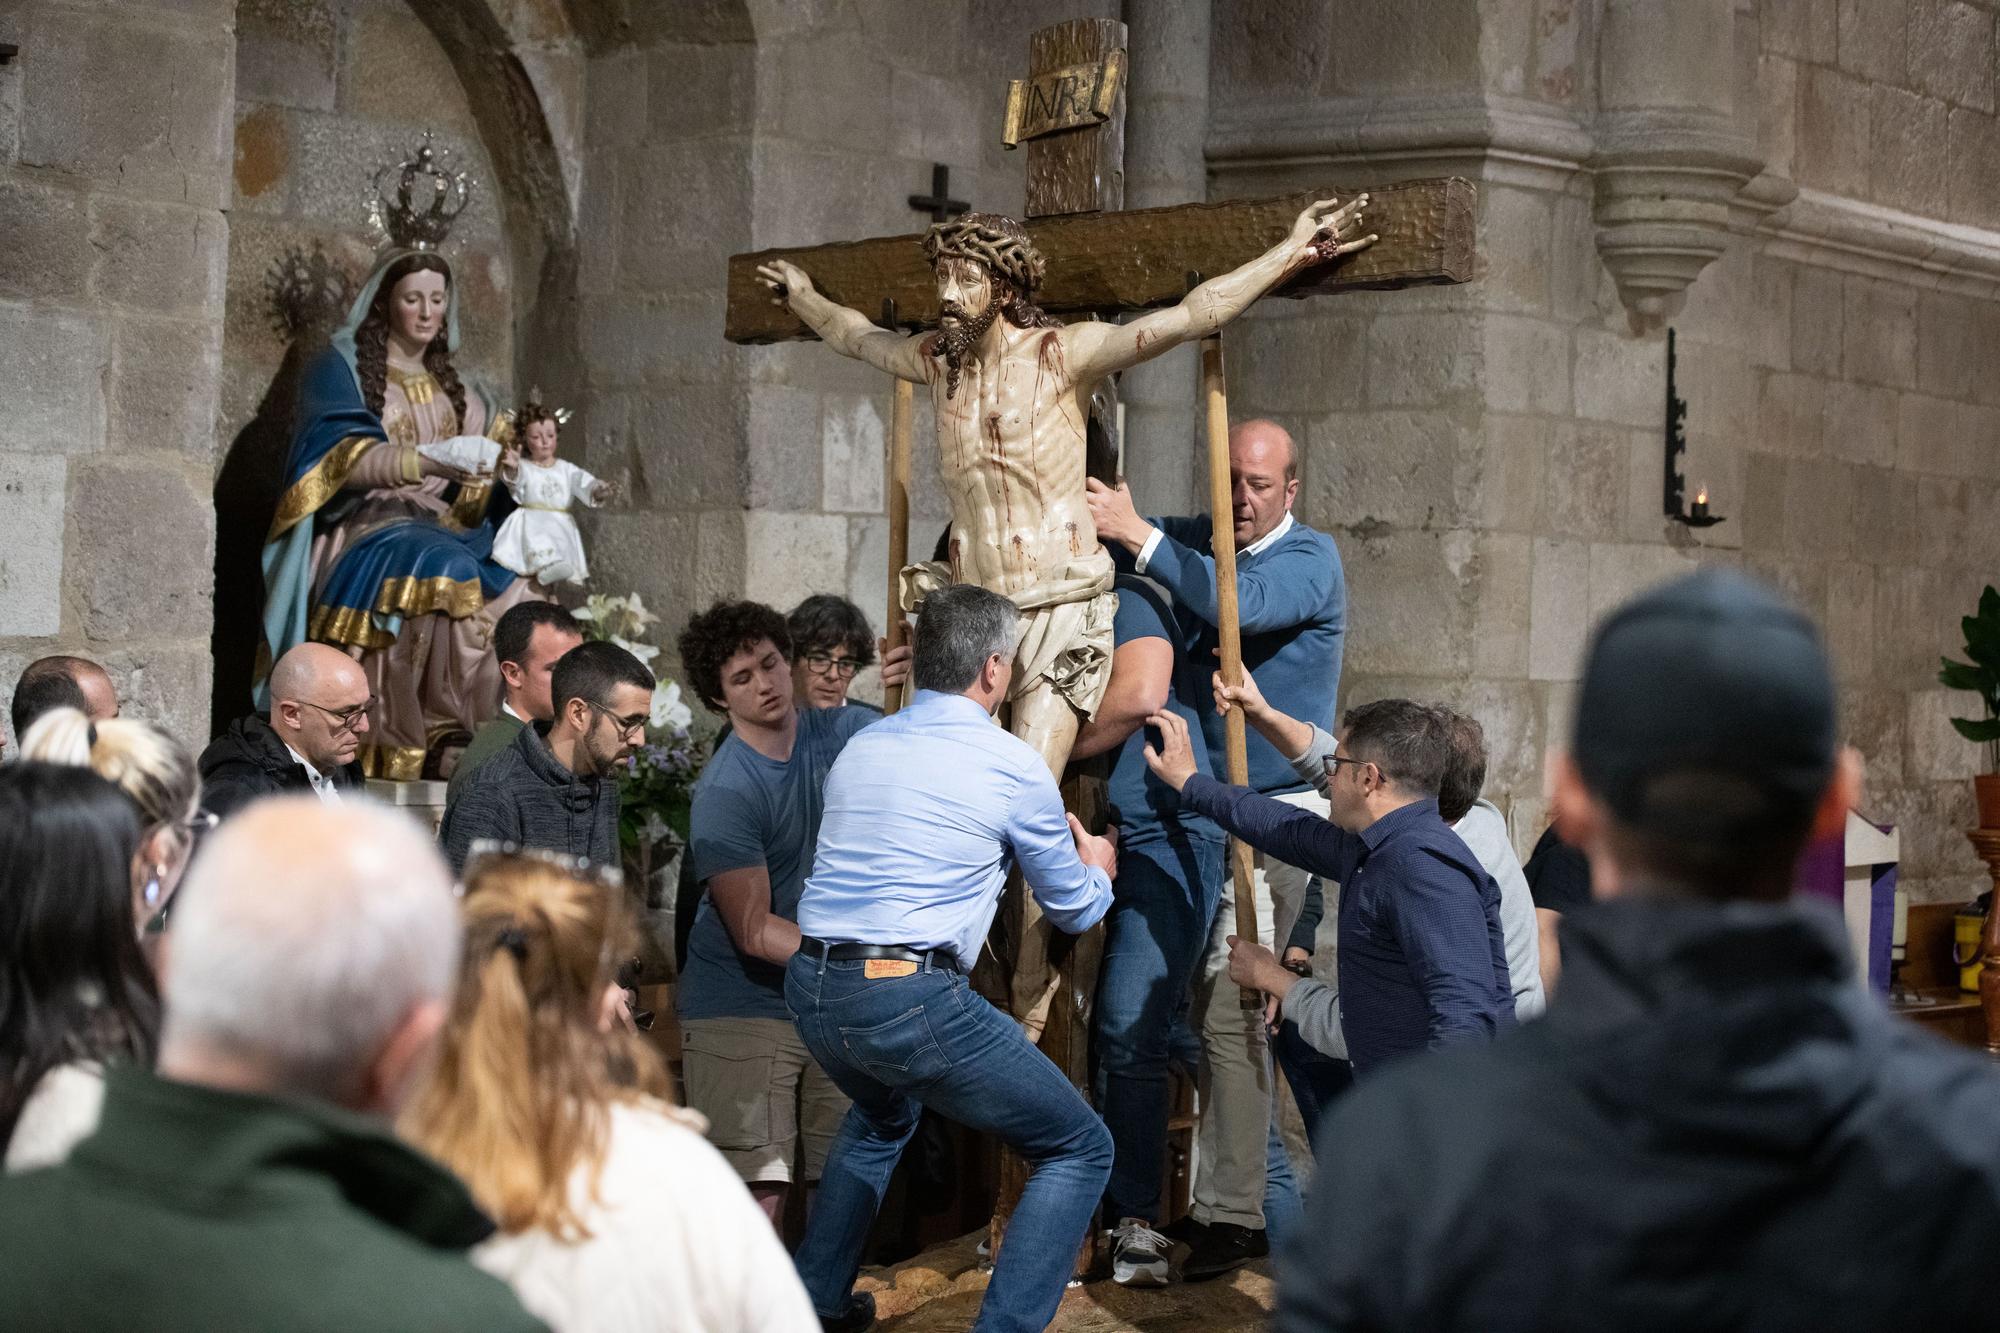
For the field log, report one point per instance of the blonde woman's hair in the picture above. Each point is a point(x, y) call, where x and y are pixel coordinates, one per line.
point(524, 1084)
point(149, 766)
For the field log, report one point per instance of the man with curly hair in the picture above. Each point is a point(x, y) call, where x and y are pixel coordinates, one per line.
point(1012, 396)
point(754, 825)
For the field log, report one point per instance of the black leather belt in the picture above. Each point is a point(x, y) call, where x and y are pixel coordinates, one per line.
point(847, 953)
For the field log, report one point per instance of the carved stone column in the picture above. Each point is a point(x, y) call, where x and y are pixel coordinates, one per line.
point(1165, 127)
point(1671, 154)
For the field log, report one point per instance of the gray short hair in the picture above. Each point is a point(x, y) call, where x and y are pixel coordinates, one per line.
point(303, 937)
point(958, 628)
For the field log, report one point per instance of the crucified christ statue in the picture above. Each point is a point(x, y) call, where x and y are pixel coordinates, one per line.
point(1011, 389)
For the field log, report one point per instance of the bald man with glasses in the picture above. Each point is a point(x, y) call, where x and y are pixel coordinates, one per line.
point(309, 743)
point(555, 786)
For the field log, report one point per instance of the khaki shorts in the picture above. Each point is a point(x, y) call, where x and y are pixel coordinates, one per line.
point(762, 1093)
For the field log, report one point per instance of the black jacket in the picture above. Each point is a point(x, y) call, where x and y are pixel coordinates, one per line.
point(523, 796)
point(248, 761)
point(1713, 1127)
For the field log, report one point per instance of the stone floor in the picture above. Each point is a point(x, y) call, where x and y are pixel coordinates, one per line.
point(940, 1289)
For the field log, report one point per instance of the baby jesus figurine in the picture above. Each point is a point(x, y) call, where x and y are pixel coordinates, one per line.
point(539, 540)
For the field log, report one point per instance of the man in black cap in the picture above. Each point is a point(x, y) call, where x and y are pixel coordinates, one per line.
point(1714, 1126)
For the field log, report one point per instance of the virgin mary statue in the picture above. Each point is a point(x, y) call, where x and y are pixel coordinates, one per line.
point(382, 545)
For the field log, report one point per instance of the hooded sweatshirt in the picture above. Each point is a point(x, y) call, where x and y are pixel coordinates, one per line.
point(1714, 1127)
point(522, 795)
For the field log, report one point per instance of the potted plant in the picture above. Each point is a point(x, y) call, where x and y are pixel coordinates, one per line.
point(656, 788)
point(1981, 676)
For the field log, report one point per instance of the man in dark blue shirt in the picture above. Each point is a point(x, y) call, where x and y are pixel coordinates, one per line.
point(1163, 903)
point(1422, 958)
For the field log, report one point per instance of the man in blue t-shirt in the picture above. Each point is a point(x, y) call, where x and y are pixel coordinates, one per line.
point(1170, 873)
point(755, 823)
point(1292, 609)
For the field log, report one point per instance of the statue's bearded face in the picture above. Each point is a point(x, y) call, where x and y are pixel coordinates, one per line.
point(417, 307)
point(965, 292)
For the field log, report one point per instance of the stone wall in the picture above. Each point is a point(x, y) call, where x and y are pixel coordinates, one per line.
point(1490, 456)
point(758, 472)
point(114, 178)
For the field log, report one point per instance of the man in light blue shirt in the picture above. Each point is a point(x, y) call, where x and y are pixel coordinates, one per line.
point(925, 811)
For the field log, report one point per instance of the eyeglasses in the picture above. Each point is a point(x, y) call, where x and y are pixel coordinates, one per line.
point(820, 664)
point(344, 719)
point(626, 725)
point(1334, 761)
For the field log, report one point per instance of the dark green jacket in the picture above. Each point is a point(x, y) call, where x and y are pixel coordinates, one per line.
point(197, 1209)
point(491, 738)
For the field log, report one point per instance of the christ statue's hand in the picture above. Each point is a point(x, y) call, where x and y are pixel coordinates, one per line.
point(1320, 230)
point(787, 281)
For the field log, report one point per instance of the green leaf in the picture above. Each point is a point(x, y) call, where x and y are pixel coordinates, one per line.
point(1987, 730)
point(1961, 676)
point(1989, 603)
point(1982, 641)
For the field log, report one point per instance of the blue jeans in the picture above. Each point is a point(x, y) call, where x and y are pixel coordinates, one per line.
point(1282, 1202)
point(1164, 901)
point(897, 1044)
point(1316, 1078)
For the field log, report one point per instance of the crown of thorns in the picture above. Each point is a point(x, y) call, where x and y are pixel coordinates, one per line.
point(998, 242)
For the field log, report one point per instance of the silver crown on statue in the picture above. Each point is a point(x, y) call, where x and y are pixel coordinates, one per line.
point(430, 193)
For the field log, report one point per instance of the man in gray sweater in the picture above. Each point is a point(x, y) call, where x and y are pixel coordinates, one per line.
point(555, 786)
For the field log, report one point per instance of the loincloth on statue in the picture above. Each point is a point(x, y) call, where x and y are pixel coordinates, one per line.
point(1066, 627)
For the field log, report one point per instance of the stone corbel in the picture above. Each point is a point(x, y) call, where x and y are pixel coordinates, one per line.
point(1665, 184)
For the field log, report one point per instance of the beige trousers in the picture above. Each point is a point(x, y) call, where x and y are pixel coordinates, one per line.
point(1235, 1084)
point(767, 1101)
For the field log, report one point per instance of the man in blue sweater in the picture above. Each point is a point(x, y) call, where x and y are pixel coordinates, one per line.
point(1423, 960)
point(1292, 607)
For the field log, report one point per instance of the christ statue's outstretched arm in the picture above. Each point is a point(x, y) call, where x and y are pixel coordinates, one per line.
point(1099, 349)
point(846, 331)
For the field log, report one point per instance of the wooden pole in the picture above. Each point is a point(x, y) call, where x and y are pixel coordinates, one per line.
point(1222, 509)
point(899, 507)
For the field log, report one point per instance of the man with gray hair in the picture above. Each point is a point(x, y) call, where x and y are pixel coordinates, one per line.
point(255, 1171)
point(924, 811)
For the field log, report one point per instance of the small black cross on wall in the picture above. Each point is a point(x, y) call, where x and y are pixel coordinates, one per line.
point(939, 203)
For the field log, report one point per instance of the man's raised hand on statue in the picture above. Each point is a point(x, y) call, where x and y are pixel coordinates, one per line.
point(1319, 235)
point(1114, 515)
point(1094, 851)
point(846, 331)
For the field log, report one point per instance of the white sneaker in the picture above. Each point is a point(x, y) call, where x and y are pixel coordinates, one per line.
point(1138, 1255)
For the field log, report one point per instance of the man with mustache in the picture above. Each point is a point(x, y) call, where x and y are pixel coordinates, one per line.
point(1012, 398)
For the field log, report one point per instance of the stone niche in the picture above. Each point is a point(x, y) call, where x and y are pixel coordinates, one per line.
point(327, 91)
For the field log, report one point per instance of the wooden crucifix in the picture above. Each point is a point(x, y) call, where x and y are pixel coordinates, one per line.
point(1012, 394)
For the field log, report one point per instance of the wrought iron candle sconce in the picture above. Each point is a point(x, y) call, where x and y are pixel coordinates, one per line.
point(1676, 489)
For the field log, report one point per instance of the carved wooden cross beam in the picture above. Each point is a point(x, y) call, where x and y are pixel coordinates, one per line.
point(1105, 263)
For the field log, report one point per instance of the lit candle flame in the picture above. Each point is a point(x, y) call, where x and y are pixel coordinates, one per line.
point(1701, 496)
